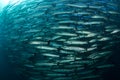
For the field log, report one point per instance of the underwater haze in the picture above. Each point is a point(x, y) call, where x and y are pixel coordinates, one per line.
point(59, 40)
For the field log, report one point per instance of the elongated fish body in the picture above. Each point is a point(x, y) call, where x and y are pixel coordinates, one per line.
point(61, 39)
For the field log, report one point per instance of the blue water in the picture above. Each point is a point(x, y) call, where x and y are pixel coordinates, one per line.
point(7, 70)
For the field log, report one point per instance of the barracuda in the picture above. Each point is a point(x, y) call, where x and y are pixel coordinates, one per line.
point(62, 27)
point(59, 13)
point(105, 66)
point(46, 48)
point(45, 64)
point(76, 42)
point(55, 75)
point(90, 77)
point(64, 70)
point(105, 39)
point(66, 22)
point(66, 34)
point(38, 42)
point(99, 17)
point(74, 48)
point(77, 6)
point(50, 55)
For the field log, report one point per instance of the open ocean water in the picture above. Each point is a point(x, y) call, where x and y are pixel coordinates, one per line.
point(60, 40)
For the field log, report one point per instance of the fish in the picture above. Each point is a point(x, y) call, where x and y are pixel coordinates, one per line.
point(115, 31)
point(98, 17)
point(91, 49)
point(64, 70)
point(37, 42)
point(93, 41)
point(46, 48)
point(77, 6)
point(90, 77)
point(66, 61)
point(99, 55)
point(62, 27)
point(94, 23)
point(113, 12)
point(74, 48)
point(105, 66)
point(50, 55)
point(45, 64)
point(82, 13)
point(55, 75)
point(66, 34)
point(60, 13)
point(66, 22)
point(86, 72)
point(66, 52)
point(76, 42)
point(105, 39)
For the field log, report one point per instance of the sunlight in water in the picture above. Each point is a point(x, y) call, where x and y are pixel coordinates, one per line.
point(3, 3)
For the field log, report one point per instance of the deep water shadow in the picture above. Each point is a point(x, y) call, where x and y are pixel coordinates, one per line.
point(114, 73)
point(7, 70)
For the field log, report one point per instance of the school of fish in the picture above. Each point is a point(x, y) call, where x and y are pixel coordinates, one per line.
point(61, 39)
